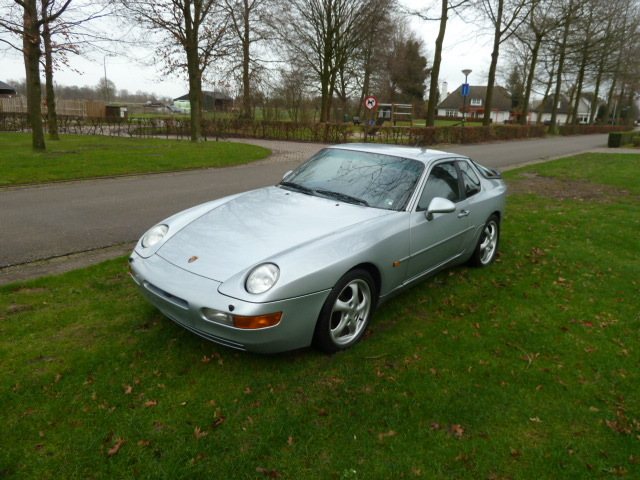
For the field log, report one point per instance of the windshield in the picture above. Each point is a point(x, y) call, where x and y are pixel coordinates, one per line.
point(362, 178)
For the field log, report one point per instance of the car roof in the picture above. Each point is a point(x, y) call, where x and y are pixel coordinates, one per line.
point(424, 155)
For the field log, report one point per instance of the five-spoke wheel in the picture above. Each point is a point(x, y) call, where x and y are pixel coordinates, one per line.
point(346, 312)
point(487, 248)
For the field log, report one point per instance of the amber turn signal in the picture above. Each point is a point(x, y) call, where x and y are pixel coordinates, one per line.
point(260, 321)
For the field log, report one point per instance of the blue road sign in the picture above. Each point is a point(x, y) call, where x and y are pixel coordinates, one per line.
point(465, 89)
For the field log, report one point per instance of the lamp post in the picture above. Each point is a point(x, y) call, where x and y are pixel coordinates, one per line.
point(465, 92)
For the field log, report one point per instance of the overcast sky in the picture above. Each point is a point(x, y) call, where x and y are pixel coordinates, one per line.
point(463, 48)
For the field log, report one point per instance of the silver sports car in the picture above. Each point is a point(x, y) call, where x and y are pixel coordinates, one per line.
point(308, 260)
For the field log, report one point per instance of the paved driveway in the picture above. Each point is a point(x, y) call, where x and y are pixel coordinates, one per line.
point(61, 220)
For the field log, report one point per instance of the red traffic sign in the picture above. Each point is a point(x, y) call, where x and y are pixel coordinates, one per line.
point(371, 102)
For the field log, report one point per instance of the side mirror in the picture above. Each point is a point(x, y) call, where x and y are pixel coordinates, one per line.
point(440, 205)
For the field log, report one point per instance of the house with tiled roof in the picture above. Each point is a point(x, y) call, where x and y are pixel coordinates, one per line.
point(543, 108)
point(474, 106)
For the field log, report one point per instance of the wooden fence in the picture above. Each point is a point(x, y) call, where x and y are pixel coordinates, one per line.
point(76, 108)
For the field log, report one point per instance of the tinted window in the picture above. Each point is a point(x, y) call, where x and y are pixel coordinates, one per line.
point(469, 179)
point(442, 182)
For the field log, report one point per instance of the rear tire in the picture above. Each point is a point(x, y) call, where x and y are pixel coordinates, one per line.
point(487, 247)
point(347, 312)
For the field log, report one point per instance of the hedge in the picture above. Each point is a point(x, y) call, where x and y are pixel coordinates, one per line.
point(591, 129)
point(617, 139)
point(180, 127)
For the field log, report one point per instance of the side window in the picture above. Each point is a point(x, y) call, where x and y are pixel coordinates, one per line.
point(442, 182)
point(469, 178)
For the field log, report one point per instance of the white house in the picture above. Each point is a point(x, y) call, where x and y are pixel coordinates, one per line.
point(474, 106)
point(543, 108)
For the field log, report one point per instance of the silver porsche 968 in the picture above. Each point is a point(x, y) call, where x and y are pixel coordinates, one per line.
point(308, 260)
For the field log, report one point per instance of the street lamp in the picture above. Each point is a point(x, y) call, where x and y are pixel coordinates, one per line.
point(465, 92)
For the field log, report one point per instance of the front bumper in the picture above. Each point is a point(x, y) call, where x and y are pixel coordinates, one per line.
point(181, 296)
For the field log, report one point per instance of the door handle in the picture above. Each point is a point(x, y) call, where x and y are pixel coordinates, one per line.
point(463, 213)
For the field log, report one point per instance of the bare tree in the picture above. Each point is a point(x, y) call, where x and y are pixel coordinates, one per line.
point(323, 35)
point(446, 7)
point(541, 21)
point(505, 16)
point(192, 34)
point(247, 19)
point(29, 30)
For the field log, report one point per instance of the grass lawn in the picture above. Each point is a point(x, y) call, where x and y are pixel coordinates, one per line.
point(83, 156)
point(524, 370)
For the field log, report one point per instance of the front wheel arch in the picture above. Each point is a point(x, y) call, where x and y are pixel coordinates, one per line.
point(486, 249)
point(347, 311)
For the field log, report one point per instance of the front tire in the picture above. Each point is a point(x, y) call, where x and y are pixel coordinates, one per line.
point(487, 247)
point(346, 313)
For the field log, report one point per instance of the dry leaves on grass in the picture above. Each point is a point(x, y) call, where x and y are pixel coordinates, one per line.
point(269, 473)
point(199, 433)
point(116, 448)
point(390, 433)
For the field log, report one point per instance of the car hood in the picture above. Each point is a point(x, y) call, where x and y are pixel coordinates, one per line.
point(255, 227)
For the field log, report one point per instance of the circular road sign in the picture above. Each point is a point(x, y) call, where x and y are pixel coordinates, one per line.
point(371, 102)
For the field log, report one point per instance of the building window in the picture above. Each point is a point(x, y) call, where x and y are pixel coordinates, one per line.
point(451, 113)
point(583, 118)
point(476, 102)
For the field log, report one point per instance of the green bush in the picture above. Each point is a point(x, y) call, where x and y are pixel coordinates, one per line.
point(617, 139)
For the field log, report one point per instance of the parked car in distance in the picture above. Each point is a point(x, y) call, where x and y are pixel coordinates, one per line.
point(307, 261)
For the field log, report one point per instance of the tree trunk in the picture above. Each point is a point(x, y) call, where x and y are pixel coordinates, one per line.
point(32, 53)
point(435, 70)
point(563, 51)
point(52, 115)
point(530, 78)
point(630, 101)
point(594, 100)
point(194, 72)
point(488, 101)
point(246, 64)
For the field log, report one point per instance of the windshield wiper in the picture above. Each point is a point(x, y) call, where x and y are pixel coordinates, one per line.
point(297, 187)
point(343, 196)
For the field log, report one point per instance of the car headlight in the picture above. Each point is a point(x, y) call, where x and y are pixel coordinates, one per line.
point(155, 235)
point(262, 278)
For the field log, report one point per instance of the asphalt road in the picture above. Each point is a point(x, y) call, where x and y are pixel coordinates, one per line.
point(52, 220)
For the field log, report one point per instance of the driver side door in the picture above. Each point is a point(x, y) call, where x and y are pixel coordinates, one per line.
point(437, 241)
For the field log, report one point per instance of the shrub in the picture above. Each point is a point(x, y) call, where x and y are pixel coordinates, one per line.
point(591, 129)
point(617, 139)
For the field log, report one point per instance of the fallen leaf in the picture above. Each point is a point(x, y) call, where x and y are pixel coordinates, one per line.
point(116, 448)
point(456, 430)
point(390, 433)
point(269, 473)
point(198, 433)
point(127, 389)
point(290, 442)
point(144, 443)
point(150, 403)
point(536, 420)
